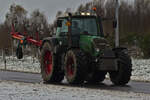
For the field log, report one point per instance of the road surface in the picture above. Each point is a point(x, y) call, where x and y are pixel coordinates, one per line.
point(133, 86)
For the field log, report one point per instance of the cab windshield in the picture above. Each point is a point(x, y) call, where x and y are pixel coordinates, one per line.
point(87, 26)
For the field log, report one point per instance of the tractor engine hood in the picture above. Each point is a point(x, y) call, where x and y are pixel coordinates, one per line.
point(94, 45)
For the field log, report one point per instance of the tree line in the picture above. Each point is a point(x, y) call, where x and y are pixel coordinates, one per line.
point(133, 20)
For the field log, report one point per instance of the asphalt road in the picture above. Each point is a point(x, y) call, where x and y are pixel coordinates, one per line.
point(133, 86)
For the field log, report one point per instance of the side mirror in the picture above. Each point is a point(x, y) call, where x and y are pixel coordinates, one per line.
point(114, 24)
point(59, 23)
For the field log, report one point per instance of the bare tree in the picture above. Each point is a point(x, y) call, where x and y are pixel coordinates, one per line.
point(5, 38)
point(17, 14)
point(39, 24)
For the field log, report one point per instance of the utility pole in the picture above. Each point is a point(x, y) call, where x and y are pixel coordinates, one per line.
point(117, 28)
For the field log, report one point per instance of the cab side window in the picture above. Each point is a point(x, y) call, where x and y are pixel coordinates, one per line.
point(64, 28)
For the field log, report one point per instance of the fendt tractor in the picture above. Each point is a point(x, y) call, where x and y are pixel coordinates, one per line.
point(80, 52)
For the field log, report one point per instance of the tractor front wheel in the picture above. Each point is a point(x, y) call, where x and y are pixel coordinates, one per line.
point(122, 76)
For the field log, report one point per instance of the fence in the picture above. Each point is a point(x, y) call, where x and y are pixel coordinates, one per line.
point(29, 63)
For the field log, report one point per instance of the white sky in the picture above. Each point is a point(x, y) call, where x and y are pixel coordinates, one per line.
point(49, 7)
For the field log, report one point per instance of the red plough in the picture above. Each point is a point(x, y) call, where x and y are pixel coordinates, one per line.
point(24, 39)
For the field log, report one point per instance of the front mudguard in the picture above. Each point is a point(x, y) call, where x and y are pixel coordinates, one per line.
point(53, 42)
point(107, 61)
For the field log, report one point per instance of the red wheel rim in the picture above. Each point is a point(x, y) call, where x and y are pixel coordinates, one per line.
point(48, 62)
point(70, 66)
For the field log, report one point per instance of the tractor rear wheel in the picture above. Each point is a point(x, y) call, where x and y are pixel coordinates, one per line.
point(50, 65)
point(74, 65)
point(122, 76)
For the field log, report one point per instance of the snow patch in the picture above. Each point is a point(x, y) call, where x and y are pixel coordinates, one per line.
point(141, 67)
point(28, 91)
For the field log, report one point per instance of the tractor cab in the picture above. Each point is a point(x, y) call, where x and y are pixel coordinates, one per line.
point(83, 24)
point(80, 31)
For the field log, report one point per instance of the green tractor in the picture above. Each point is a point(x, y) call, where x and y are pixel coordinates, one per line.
point(80, 52)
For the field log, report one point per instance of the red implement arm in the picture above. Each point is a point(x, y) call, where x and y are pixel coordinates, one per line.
point(21, 37)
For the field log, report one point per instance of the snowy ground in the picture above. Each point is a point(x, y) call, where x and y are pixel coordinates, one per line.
point(27, 64)
point(27, 91)
point(141, 67)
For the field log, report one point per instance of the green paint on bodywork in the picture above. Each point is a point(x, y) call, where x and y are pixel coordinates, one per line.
point(86, 44)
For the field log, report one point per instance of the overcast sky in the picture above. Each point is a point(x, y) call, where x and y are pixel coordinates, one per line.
point(49, 7)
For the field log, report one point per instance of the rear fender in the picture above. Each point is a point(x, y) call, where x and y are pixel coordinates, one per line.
point(53, 41)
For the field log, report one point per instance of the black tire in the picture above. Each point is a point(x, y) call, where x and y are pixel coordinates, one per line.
point(97, 77)
point(75, 66)
point(19, 53)
point(122, 76)
point(51, 67)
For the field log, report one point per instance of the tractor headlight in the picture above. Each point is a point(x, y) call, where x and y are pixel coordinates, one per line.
point(82, 13)
point(96, 60)
point(88, 14)
point(60, 43)
point(97, 50)
point(126, 51)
